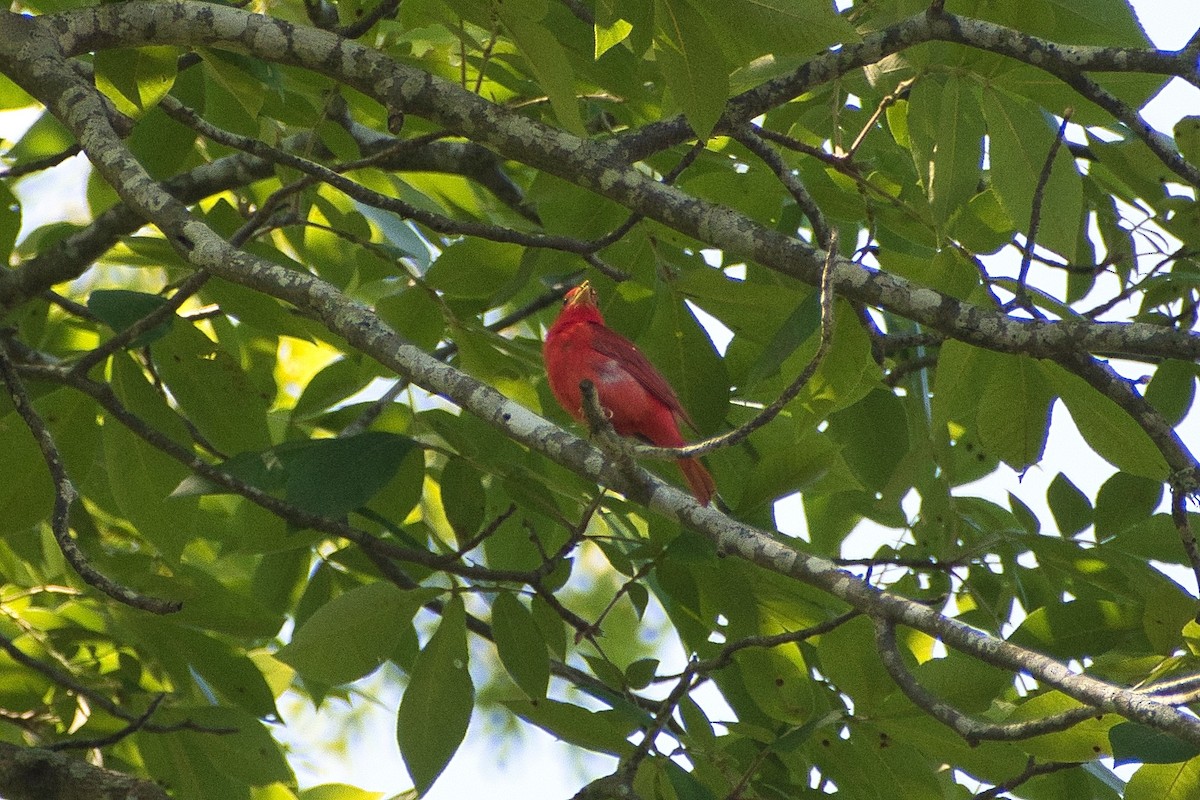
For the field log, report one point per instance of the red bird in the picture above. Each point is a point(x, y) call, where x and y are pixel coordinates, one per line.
point(636, 396)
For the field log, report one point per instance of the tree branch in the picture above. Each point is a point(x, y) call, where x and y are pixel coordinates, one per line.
point(34, 774)
point(64, 496)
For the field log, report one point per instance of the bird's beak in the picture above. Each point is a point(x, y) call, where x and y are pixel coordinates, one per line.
point(583, 294)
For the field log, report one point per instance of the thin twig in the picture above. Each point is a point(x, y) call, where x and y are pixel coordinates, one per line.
point(770, 412)
point(1032, 770)
point(158, 316)
point(796, 188)
point(37, 165)
point(725, 656)
point(888, 100)
point(64, 495)
point(484, 532)
point(687, 679)
point(486, 56)
point(101, 701)
point(133, 727)
point(1035, 219)
point(641, 573)
point(661, 720)
point(69, 305)
point(385, 8)
point(355, 190)
point(1180, 517)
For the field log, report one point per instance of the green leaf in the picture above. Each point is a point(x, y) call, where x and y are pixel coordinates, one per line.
point(779, 686)
point(692, 64)
point(120, 308)
point(520, 644)
point(947, 132)
point(139, 476)
point(598, 731)
point(463, 498)
point(961, 370)
point(135, 80)
point(1165, 782)
point(1024, 514)
point(335, 476)
point(877, 765)
point(244, 78)
point(1021, 138)
point(684, 783)
point(788, 459)
point(415, 314)
point(325, 476)
point(1124, 501)
point(946, 270)
point(965, 681)
point(800, 324)
point(338, 791)
point(352, 635)
point(1085, 741)
point(873, 434)
point(1071, 508)
point(10, 222)
point(1014, 412)
point(12, 96)
point(27, 494)
point(641, 672)
point(984, 226)
point(609, 33)
point(548, 61)
point(678, 345)
point(1172, 389)
point(248, 754)
point(202, 764)
point(45, 137)
point(475, 269)
point(551, 625)
point(1133, 742)
point(1187, 138)
point(437, 704)
point(783, 29)
point(1111, 432)
point(695, 721)
point(1077, 629)
point(229, 672)
point(216, 395)
point(333, 384)
point(850, 660)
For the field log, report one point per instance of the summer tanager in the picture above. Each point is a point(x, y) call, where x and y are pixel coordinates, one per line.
point(637, 398)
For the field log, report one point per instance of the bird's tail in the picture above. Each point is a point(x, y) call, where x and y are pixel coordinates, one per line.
point(698, 480)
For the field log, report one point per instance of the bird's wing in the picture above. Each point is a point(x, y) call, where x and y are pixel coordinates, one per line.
point(612, 344)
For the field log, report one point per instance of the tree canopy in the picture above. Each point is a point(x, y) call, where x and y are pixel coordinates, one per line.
point(275, 412)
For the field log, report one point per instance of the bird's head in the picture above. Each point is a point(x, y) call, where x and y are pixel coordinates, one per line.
point(581, 295)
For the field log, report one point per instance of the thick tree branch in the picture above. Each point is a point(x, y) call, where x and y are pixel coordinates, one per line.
point(33, 774)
